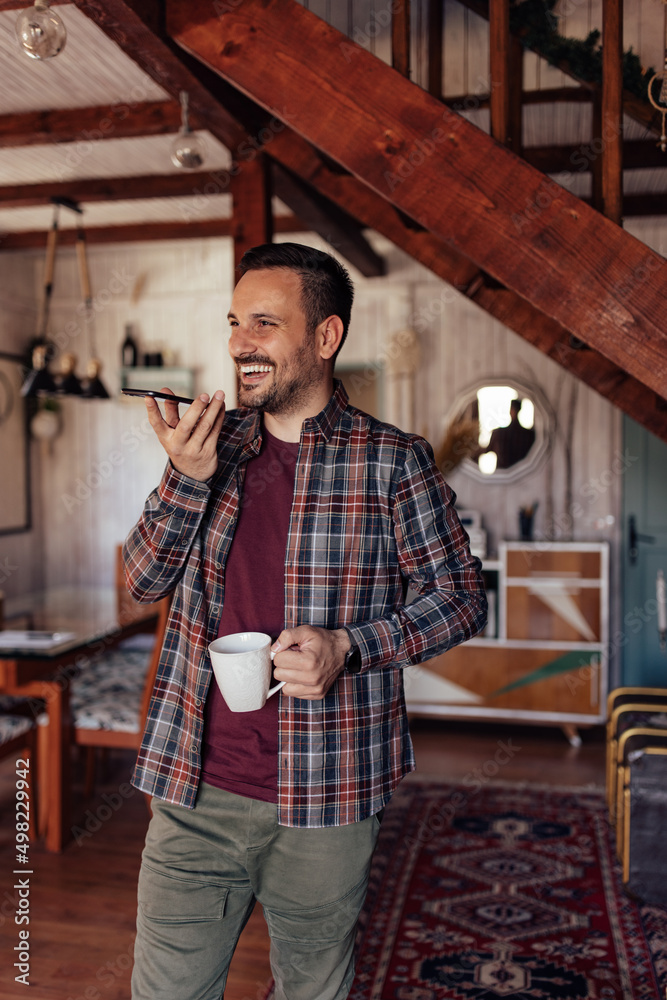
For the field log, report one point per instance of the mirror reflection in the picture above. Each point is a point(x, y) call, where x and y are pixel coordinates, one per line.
point(508, 427)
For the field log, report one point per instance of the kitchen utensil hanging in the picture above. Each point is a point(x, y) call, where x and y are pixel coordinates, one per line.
point(40, 381)
point(93, 387)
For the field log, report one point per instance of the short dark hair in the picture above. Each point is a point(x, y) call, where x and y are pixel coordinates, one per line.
point(326, 287)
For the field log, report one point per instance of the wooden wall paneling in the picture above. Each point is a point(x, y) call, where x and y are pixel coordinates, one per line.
point(651, 231)
point(477, 55)
point(650, 40)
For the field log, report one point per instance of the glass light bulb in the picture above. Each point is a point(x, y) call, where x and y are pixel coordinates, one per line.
point(187, 151)
point(41, 33)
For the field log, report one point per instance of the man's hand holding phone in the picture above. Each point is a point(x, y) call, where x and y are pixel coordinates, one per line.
point(190, 440)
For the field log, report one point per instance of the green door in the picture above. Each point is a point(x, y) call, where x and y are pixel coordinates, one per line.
point(644, 553)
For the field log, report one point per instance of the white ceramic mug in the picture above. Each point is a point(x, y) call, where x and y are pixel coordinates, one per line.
point(242, 667)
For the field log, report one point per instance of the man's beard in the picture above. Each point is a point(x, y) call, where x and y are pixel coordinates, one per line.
point(291, 386)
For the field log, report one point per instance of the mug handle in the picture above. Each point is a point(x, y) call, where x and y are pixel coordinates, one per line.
point(277, 686)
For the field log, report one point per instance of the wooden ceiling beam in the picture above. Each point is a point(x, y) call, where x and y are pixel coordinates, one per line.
point(142, 232)
point(445, 174)
point(20, 4)
point(640, 403)
point(177, 185)
point(252, 222)
point(115, 121)
point(125, 23)
point(344, 232)
point(448, 263)
point(132, 25)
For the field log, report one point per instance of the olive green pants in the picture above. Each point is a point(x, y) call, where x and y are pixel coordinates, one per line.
point(202, 871)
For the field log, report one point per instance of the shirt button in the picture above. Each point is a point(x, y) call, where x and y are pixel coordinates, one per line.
point(215, 609)
point(194, 747)
point(198, 702)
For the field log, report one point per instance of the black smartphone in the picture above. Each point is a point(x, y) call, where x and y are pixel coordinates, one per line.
point(156, 395)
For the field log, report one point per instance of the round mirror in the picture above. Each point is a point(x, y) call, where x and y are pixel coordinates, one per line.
point(509, 426)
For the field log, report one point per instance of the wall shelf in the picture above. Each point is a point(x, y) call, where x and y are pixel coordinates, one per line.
point(180, 380)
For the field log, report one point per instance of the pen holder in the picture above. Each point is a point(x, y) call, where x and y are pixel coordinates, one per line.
point(526, 518)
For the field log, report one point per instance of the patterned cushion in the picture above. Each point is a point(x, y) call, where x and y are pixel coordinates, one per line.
point(107, 693)
point(12, 726)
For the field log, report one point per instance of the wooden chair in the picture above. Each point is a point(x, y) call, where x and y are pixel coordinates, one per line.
point(627, 715)
point(110, 701)
point(18, 739)
point(644, 816)
point(631, 740)
point(620, 695)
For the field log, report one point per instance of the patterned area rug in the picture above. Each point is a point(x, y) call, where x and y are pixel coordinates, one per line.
point(503, 891)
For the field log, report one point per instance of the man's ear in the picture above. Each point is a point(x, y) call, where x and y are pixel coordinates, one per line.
point(329, 335)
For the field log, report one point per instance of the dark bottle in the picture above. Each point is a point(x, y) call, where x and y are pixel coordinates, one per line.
point(128, 351)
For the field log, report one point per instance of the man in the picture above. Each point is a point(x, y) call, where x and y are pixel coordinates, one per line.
point(299, 516)
point(512, 442)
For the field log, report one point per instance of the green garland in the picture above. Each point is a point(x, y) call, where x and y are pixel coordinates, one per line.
point(535, 22)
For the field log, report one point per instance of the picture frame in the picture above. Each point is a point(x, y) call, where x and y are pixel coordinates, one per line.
point(14, 447)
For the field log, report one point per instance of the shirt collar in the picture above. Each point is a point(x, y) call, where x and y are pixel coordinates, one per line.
point(327, 419)
point(324, 423)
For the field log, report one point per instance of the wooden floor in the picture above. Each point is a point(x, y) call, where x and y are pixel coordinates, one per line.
point(82, 902)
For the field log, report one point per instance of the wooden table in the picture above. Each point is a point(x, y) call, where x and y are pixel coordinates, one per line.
point(92, 620)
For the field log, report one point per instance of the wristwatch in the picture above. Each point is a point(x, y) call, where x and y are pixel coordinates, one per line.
point(353, 660)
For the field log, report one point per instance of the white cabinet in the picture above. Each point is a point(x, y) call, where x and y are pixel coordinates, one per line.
point(543, 657)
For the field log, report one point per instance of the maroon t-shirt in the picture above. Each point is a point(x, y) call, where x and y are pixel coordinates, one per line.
point(240, 749)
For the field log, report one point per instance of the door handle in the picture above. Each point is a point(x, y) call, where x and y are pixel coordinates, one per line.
point(634, 538)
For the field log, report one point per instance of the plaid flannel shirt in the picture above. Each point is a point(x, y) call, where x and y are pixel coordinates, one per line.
point(371, 515)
